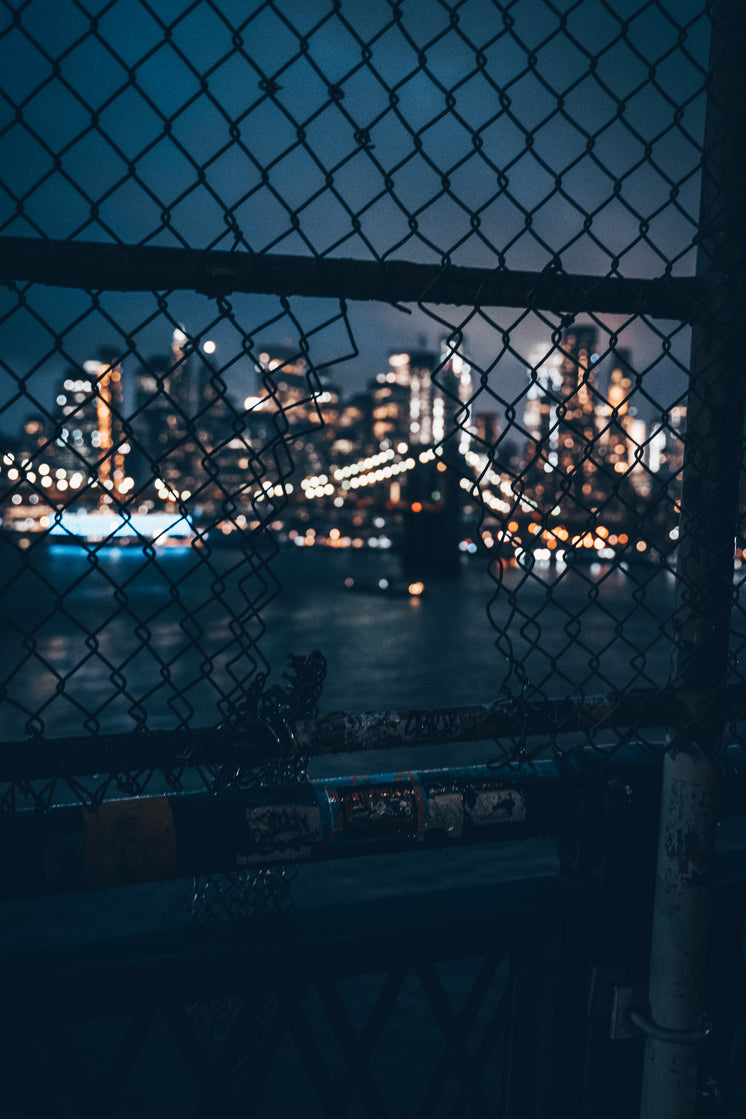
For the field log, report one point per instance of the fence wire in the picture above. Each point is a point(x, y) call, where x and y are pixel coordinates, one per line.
point(166, 454)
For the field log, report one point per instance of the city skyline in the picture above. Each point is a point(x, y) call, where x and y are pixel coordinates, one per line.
point(578, 458)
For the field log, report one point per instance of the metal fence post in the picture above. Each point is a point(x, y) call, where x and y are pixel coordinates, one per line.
point(715, 429)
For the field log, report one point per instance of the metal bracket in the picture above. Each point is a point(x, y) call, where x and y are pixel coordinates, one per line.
point(626, 1001)
point(628, 1019)
point(650, 1028)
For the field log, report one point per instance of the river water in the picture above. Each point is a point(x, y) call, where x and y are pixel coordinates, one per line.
point(104, 642)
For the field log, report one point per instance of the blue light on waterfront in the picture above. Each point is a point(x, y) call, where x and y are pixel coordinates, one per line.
point(105, 526)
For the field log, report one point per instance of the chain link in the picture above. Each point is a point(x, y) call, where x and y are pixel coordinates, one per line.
point(558, 138)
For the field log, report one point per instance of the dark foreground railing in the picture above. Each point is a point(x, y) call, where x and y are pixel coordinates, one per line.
point(427, 1006)
point(518, 997)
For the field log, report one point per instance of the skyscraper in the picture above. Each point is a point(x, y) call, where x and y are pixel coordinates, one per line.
point(90, 436)
point(422, 399)
point(180, 419)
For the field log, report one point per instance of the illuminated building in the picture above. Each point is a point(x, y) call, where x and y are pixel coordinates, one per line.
point(90, 437)
point(451, 399)
point(391, 412)
point(621, 438)
point(540, 413)
point(586, 445)
point(288, 384)
point(159, 422)
point(301, 402)
point(77, 455)
point(422, 400)
point(34, 434)
point(577, 469)
point(353, 428)
point(419, 372)
point(107, 391)
point(666, 446)
point(184, 427)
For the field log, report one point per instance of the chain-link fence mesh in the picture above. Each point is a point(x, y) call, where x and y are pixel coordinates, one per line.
point(171, 459)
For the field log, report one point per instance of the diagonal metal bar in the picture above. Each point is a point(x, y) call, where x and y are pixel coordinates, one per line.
point(374, 1026)
point(358, 1076)
point(125, 1056)
point(449, 1028)
point(474, 1001)
point(246, 1034)
point(65, 1058)
point(24, 1081)
point(94, 266)
point(499, 1023)
point(210, 1085)
point(313, 1061)
point(288, 997)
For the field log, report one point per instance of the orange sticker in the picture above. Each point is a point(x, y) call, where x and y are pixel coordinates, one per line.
point(129, 841)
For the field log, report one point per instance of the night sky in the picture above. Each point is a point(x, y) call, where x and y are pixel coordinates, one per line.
point(491, 134)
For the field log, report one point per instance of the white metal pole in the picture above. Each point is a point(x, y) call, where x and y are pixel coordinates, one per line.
point(676, 1023)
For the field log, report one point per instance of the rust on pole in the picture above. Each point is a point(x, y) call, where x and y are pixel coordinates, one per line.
point(94, 266)
point(676, 1022)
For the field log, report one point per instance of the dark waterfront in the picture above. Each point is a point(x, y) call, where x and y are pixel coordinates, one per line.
point(171, 642)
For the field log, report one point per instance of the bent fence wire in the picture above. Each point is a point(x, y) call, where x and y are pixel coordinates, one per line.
point(425, 278)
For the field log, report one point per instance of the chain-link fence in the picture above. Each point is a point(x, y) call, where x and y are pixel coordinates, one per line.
point(163, 452)
point(540, 156)
point(378, 330)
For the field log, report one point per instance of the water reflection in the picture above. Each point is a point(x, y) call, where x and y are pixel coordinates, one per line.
point(112, 640)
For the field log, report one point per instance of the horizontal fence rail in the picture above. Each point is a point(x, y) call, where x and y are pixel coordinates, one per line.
point(279, 737)
point(94, 266)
